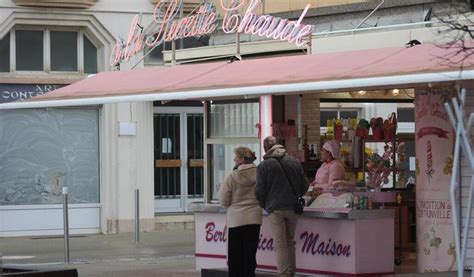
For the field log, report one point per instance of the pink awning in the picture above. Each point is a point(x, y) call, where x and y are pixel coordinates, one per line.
point(268, 72)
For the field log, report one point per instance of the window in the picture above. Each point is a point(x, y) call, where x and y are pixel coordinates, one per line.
point(234, 120)
point(5, 54)
point(231, 124)
point(406, 115)
point(347, 114)
point(326, 114)
point(45, 150)
point(90, 56)
point(156, 56)
point(222, 160)
point(63, 51)
point(406, 120)
point(29, 50)
point(45, 50)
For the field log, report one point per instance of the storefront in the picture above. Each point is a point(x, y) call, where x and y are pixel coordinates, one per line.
point(245, 100)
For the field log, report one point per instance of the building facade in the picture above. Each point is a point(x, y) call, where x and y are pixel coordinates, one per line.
point(109, 151)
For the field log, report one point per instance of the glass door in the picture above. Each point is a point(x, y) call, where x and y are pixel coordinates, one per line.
point(195, 154)
point(179, 174)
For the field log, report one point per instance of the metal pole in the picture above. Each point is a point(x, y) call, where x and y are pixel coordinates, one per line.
point(137, 216)
point(173, 52)
point(66, 226)
point(237, 44)
point(367, 17)
point(181, 15)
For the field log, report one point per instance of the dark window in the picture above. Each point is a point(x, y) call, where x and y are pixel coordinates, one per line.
point(193, 42)
point(346, 114)
point(64, 51)
point(29, 50)
point(156, 55)
point(406, 115)
point(325, 116)
point(90, 56)
point(5, 54)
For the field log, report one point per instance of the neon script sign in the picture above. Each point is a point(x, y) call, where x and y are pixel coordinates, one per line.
point(204, 22)
point(264, 25)
point(167, 29)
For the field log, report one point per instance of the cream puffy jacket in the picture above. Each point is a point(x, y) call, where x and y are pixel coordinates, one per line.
point(238, 196)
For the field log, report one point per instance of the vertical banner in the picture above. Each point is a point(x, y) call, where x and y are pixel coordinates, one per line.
point(434, 161)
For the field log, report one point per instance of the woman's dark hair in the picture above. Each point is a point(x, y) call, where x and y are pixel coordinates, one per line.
point(245, 153)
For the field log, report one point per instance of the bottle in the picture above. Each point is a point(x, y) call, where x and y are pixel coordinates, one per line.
point(349, 201)
point(311, 151)
point(330, 131)
point(338, 130)
point(355, 202)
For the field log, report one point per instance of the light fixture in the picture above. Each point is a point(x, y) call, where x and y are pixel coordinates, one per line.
point(395, 92)
point(362, 92)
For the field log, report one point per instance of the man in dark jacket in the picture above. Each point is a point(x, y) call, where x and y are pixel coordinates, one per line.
point(275, 195)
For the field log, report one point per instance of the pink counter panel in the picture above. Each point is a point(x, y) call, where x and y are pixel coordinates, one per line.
point(343, 242)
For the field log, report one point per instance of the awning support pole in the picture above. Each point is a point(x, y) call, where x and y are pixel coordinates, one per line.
point(367, 17)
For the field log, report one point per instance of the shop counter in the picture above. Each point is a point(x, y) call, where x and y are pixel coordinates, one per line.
point(328, 241)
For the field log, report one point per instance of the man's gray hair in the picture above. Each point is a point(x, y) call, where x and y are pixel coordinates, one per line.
point(269, 142)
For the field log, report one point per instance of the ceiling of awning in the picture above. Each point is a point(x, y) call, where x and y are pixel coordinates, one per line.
point(197, 80)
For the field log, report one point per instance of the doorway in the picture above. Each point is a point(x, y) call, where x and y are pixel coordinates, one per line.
point(179, 159)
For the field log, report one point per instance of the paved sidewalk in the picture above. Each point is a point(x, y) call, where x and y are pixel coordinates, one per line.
point(160, 253)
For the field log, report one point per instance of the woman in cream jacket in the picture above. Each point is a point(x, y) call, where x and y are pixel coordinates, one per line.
point(244, 215)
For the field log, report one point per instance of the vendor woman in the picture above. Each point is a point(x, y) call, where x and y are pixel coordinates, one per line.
point(331, 173)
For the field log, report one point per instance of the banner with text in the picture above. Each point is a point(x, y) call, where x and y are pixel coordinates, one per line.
point(14, 92)
point(434, 165)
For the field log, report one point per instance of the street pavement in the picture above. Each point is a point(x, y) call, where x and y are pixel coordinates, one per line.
point(160, 253)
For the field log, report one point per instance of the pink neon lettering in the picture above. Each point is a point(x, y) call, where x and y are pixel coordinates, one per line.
point(167, 29)
point(170, 13)
point(231, 22)
point(203, 22)
point(265, 25)
point(233, 6)
point(116, 53)
point(134, 41)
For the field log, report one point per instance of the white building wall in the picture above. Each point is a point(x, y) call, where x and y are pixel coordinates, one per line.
point(383, 37)
point(126, 161)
